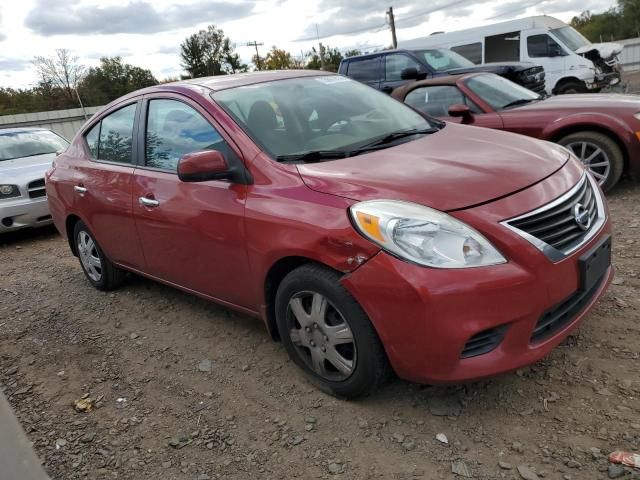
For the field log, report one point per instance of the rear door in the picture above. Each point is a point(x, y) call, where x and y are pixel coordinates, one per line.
point(192, 234)
point(102, 182)
point(435, 100)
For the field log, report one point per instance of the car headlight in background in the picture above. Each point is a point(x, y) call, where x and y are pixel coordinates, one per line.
point(8, 191)
point(423, 235)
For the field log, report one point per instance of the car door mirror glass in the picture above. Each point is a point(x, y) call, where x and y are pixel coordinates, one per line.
point(409, 73)
point(203, 166)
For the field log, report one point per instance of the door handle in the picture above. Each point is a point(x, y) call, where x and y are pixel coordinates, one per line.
point(148, 202)
point(80, 189)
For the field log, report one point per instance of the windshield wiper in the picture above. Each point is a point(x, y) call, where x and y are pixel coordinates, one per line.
point(312, 156)
point(520, 101)
point(394, 136)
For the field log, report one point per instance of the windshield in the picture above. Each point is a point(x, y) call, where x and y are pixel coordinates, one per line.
point(442, 59)
point(28, 144)
point(570, 37)
point(499, 92)
point(301, 115)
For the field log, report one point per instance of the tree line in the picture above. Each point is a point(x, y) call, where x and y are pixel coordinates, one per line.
point(617, 23)
point(63, 82)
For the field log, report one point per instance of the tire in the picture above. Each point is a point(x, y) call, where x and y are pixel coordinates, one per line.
point(607, 177)
point(572, 86)
point(358, 346)
point(104, 276)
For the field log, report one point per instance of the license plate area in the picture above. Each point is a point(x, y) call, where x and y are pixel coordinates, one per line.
point(594, 263)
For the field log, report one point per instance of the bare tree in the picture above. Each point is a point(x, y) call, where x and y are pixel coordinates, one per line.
point(62, 71)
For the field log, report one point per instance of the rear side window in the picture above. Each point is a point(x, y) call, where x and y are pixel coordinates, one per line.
point(175, 129)
point(472, 51)
point(365, 70)
point(111, 139)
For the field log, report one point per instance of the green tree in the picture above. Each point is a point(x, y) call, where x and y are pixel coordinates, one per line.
point(617, 23)
point(209, 52)
point(332, 58)
point(112, 79)
point(278, 59)
point(62, 71)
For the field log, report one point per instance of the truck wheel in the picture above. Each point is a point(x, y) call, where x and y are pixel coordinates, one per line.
point(328, 335)
point(572, 86)
point(599, 153)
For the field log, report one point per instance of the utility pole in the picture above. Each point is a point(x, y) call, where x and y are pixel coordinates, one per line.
point(392, 24)
point(256, 44)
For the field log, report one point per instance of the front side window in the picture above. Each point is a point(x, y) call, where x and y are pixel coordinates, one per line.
point(115, 142)
point(543, 46)
point(394, 65)
point(175, 129)
point(327, 112)
point(437, 100)
point(20, 144)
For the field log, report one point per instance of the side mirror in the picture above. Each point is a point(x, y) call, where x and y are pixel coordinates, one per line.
point(410, 73)
point(203, 166)
point(462, 111)
point(555, 50)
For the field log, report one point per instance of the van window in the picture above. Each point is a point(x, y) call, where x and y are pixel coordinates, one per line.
point(365, 70)
point(394, 65)
point(543, 46)
point(472, 52)
point(502, 48)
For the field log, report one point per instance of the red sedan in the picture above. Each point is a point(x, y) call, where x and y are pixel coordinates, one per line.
point(603, 131)
point(364, 235)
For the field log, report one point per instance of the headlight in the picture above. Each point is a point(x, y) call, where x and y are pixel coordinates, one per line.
point(7, 191)
point(423, 235)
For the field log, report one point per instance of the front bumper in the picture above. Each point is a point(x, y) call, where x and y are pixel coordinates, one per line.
point(426, 317)
point(602, 80)
point(23, 213)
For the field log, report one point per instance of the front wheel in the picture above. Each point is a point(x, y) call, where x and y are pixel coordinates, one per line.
point(98, 269)
point(573, 86)
point(600, 154)
point(328, 335)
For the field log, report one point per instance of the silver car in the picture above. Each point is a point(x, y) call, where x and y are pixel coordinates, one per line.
point(25, 156)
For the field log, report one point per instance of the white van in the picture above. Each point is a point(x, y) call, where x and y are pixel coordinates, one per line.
point(572, 64)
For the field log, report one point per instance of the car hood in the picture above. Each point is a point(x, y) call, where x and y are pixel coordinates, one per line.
point(592, 102)
point(605, 50)
point(27, 168)
point(455, 168)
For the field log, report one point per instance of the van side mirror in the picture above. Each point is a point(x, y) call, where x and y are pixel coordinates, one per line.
point(555, 50)
point(462, 111)
point(203, 166)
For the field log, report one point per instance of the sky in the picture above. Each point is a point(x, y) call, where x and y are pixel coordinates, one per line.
point(148, 33)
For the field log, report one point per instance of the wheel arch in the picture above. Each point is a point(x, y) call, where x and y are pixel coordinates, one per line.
point(70, 225)
point(280, 269)
point(588, 127)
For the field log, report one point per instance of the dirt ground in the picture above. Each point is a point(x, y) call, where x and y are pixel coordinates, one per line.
point(188, 390)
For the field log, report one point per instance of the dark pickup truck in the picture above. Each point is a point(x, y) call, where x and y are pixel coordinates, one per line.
point(389, 69)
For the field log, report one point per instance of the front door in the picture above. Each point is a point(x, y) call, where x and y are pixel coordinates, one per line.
point(541, 49)
point(192, 234)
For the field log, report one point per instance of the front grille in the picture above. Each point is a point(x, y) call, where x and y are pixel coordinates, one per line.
point(556, 224)
point(37, 189)
point(534, 79)
point(563, 314)
point(483, 342)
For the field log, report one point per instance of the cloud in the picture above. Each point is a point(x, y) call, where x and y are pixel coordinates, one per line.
point(2, 35)
point(68, 17)
point(14, 64)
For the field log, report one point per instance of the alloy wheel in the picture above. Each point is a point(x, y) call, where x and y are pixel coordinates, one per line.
point(89, 256)
point(321, 336)
point(594, 158)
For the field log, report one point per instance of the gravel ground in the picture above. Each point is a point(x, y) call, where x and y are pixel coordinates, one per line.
point(184, 389)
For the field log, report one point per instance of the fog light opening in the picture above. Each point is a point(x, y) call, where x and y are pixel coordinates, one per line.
point(7, 221)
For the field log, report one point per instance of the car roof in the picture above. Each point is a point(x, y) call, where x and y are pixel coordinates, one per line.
point(401, 91)
point(377, 54)
point(8, 131)
point(223, 82)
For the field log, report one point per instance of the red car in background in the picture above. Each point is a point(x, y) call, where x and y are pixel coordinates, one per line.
point(602, 130)
point(363, 234)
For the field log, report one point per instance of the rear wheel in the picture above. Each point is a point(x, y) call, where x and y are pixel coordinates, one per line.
point(328, 335)
point(600, 154)
point(98, 269)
